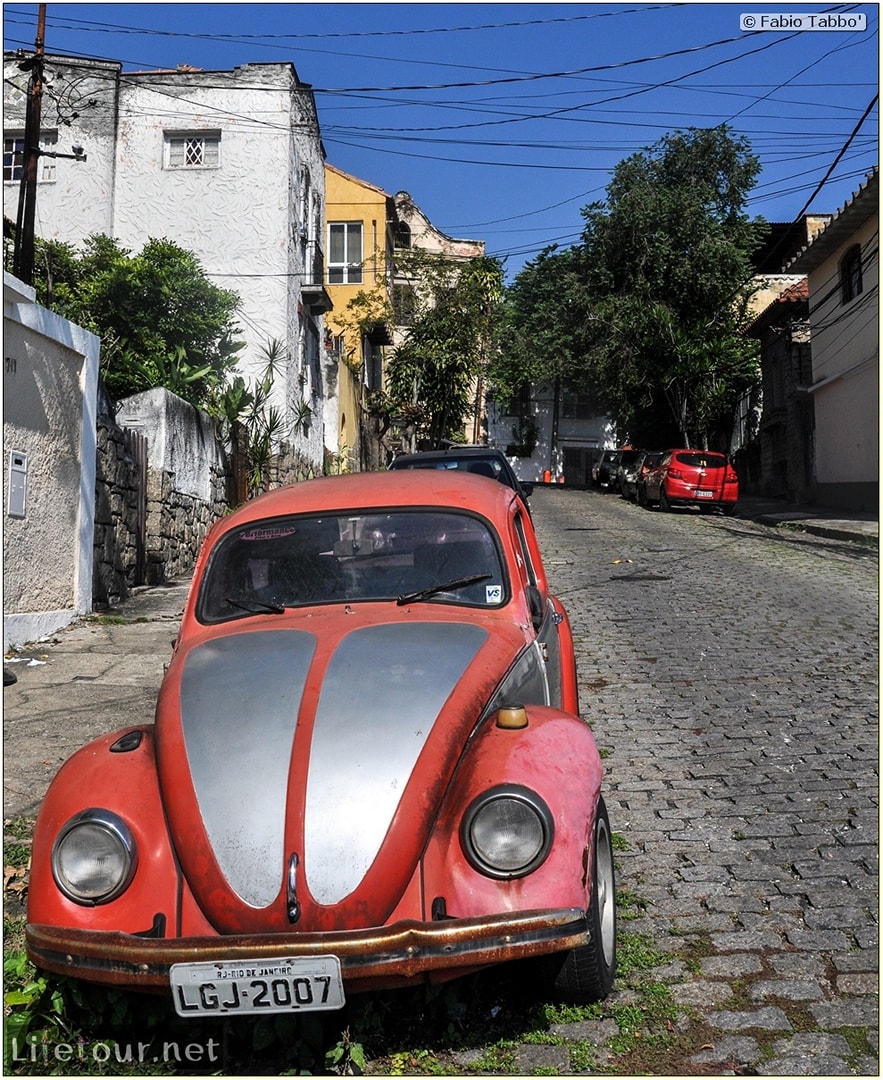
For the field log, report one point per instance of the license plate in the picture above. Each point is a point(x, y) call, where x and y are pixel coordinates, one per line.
point(704, 494)
point(284, 985)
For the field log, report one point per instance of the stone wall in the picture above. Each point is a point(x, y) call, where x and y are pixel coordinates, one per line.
point(177, 523)
point(116, 546)
point(148, 530)
point(163, 478)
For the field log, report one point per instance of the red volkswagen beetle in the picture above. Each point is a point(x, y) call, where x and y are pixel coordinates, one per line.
point(366, 769)
point(692, 478)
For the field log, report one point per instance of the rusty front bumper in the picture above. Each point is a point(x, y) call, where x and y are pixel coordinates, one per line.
point(386, 956)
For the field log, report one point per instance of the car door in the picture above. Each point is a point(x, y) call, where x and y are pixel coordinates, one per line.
point(546, 621)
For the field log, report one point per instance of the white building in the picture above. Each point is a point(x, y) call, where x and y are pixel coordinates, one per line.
point(227, 164)
point(842, 268)
point(551, 433)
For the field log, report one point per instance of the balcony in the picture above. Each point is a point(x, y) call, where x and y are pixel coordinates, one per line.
point(313, 292)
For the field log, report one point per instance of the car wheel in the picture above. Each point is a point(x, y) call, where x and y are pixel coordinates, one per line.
point(664, 504)
point(640, 496)
point(586, 974)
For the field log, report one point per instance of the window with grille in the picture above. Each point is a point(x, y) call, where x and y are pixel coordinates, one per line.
point(345, 253)
point(851, 273)
point(197, 150)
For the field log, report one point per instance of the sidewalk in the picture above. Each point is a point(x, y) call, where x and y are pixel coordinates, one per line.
point(820, 521)
point(99, 674)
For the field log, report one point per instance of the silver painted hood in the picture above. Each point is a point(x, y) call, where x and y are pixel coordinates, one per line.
point(262, 710)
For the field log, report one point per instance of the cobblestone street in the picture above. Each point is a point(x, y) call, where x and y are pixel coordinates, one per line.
point(730, 673)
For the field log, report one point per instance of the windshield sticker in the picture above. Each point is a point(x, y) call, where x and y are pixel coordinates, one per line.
point(493, 594)
point(269, 532)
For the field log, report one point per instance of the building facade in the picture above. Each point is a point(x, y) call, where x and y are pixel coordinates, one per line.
point(842, 269)
point(227, 164)
point(360, 219)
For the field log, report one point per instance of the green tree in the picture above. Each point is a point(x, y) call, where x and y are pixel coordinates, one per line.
point(668, 276)
point(161, 321)
point(435, 376)
point(543, 323)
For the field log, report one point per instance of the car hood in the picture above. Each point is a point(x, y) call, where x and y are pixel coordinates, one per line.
point(302, 764)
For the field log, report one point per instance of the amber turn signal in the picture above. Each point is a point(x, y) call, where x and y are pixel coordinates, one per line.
point(512, 717)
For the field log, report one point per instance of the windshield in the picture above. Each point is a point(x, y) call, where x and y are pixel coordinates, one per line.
point(701, 459)
point(482, 466)
point(302, 561)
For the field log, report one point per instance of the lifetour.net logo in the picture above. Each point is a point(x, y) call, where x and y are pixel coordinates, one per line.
point(793, 20)
point(103, 1053)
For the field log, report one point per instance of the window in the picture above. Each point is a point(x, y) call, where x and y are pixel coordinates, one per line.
point(577, 404)
point(14, 156)
point(345, 253)
point(519, 404)
point(402, 235)
point(404, 303)
point(192, 150)
point(851, 273)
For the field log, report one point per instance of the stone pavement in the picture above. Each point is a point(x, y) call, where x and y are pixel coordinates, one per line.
point(730, 669)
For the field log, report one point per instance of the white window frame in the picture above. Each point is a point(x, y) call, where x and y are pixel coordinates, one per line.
point(347, 271)
point(191, 150)
point(46, 173)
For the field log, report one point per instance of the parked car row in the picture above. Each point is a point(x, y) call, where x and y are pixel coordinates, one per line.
point(669, 478)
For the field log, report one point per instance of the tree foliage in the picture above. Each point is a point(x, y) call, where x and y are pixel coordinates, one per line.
point(432, 376)
point(542, 326)
point(160, 320)
point(646, 310)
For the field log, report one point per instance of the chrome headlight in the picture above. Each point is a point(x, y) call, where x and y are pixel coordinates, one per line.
point(94, 857)
point(507, 832)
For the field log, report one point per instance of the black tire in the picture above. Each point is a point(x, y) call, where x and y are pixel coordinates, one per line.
point(586, 974)
point(664, 504)
point(640, 496)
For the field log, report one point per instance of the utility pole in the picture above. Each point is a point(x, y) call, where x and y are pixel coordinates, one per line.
point(23, 252)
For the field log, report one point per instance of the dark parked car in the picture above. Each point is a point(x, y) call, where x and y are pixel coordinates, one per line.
point(624, 477)
point(605, 468)
point(649, 460)
point(693, 478)
point(367, 769)
point(482, 460)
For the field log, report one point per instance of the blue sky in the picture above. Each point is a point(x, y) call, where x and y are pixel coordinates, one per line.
point(503, 120)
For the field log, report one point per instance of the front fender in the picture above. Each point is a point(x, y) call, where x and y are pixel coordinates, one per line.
point(554, 756)
point(125, 783)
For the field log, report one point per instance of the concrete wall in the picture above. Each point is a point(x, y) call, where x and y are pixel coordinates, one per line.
point(50, 378)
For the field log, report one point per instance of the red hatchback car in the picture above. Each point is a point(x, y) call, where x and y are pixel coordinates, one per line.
point(692, 478)
point(366, 770)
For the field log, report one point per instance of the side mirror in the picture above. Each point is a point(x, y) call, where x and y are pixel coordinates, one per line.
point(527, 488)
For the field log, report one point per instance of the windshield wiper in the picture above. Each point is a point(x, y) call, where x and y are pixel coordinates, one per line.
point(445, 586)
point(255, 607)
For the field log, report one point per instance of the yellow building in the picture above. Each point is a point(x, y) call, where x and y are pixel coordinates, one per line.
point(359, 222)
